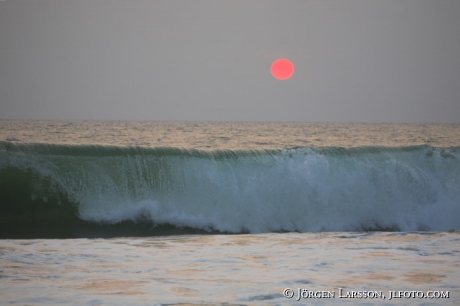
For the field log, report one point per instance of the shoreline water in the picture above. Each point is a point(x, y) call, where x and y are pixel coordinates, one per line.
point(232, 269)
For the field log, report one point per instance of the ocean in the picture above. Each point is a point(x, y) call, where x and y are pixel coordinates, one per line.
point(229, 213)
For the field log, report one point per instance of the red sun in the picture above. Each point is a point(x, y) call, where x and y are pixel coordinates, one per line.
point(282, 69)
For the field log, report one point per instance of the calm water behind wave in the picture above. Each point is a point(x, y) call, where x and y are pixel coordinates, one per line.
point(229, 135)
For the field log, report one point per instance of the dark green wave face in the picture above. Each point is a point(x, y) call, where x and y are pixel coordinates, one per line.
point(106, 191)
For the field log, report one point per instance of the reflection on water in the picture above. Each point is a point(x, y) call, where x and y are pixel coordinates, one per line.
point(238, 269)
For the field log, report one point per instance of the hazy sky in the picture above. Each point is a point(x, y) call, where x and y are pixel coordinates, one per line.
point(355, 60)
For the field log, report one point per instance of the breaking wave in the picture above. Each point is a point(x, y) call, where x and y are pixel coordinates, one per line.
point(74, 191)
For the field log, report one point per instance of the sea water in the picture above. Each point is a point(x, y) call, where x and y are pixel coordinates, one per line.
point(113, 212)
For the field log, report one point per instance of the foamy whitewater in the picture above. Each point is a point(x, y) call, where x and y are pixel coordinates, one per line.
point(392, 187)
